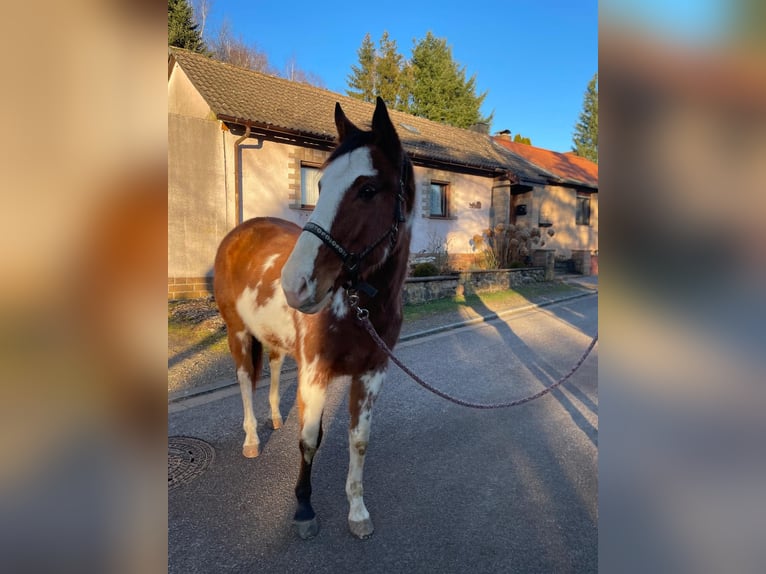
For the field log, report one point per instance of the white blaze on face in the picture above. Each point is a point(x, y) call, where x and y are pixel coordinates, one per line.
point(336, 179)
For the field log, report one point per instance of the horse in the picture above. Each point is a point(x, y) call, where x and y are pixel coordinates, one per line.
point(302, 292)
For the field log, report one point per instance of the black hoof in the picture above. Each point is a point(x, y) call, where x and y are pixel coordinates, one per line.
point(307, 528)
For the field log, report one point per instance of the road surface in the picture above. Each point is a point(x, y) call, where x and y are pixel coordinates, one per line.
point(449, 489)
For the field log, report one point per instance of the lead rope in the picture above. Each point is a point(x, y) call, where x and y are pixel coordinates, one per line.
point(363, 315)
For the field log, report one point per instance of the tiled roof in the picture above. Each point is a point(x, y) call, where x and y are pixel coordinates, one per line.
point(277, 104)
point(566, 167)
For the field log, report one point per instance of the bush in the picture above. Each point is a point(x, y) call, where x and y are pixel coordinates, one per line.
point(509, 246)
point(438, 247)
point(425, 270)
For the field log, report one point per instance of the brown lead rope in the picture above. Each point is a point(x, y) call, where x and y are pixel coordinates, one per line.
point(363, 316)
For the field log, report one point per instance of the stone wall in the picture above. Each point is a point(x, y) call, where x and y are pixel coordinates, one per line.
point(585, 262)
point(423, 289)
point(416, 289)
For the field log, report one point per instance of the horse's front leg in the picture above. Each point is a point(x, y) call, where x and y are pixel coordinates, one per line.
point(276, 359)
point(312, 390)
point(364, 390)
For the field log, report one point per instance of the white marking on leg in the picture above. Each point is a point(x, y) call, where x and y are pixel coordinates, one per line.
point(312, 395)
point(275, 366)
point(336, 179)
point(250, 425)
point(243, 336)
point(358, 439)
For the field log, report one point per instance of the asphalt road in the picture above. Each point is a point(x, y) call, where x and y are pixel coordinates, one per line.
point(449, 489)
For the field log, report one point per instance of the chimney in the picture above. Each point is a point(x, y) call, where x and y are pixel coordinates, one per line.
point(504, 134)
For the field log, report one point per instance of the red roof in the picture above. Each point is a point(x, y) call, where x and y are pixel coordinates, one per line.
point(568, 167)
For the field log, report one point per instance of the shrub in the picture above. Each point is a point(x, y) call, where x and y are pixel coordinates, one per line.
point(438, 247)
point(425, 270)
point(509, 246)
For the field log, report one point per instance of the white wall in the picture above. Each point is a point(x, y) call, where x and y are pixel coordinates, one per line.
point(464, 221)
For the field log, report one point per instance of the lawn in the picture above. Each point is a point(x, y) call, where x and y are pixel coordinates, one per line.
point(197, 325)
point(533, 293)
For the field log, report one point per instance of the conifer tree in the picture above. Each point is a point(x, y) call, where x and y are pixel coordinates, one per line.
point(585, 139)
point(518, 138)
point(389, 74)
point(182, 31)
point(440, 91)
point(431, 85)
point(362, 79)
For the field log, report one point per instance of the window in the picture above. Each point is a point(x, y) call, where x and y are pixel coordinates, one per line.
point(583, 209)
point(439, 205)
point(309, 185)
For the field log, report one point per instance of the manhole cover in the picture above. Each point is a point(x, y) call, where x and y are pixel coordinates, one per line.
point(187, 458)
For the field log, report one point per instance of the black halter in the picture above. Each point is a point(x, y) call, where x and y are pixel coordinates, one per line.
point(352, 261)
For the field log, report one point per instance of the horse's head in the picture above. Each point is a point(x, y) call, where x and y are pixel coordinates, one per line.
point(354, 226)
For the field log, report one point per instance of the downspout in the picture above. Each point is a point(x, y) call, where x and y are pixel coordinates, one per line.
point(238, 209)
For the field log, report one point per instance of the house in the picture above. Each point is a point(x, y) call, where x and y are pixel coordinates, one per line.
point(243, 144)
point(564, 197)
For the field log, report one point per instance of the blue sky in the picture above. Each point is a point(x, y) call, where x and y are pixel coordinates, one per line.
point(691, 21)
point(534, 58)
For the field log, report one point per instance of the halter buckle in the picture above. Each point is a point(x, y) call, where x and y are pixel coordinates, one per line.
point(352, 262)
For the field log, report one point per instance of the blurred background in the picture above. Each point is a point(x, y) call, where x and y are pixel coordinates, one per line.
point(83, 305)
point(83, 343)
point(683, 286)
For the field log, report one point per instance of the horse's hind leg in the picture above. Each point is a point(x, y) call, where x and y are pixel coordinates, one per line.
point(248, 355)
point(275, 366)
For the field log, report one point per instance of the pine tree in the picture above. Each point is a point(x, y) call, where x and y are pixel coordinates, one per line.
point(182, 31)
point(585, 139)
point(362, 79)
point(440, 91)
point(388, 70)
point(432, 85)
point(379, 73)
point(518, 138)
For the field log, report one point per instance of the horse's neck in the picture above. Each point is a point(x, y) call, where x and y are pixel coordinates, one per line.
point(389, 278)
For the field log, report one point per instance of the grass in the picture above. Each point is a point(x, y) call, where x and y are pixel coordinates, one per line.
point(184, 336)
point(519, 296)
point(195, 326)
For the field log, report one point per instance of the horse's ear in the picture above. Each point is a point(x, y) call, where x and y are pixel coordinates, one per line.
point(384, 130)
point(343, 124)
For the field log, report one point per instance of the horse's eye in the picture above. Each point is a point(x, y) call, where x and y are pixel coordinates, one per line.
point(367, 191)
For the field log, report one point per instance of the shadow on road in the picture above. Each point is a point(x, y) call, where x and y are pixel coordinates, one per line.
point(543, 371)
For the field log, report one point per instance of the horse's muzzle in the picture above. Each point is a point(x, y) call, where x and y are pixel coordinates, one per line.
point(303, 296)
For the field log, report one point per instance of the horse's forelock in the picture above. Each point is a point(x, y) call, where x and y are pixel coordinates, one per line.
point(354, 141)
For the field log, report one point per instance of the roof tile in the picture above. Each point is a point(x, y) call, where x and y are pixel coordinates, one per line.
point(567, 167)
point(280, 104)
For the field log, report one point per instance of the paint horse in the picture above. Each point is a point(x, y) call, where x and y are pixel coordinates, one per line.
point(290, 289)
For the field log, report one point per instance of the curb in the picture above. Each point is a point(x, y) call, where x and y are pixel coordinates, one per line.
point(176, 397)
point(492, 316)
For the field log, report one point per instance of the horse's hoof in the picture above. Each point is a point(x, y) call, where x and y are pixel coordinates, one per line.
point(250, 450)
point(277, 423)
point(362, 529)
point(307, 528)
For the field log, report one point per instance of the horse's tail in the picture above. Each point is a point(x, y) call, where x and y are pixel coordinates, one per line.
point(256, 352)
